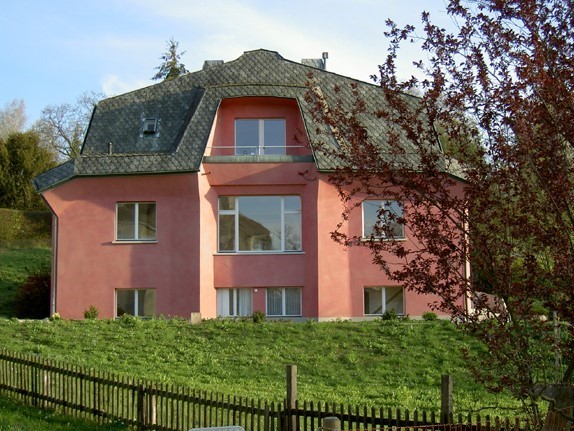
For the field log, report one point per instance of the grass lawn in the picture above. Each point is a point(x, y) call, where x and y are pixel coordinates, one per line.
point(378, 363)
point(18, 417)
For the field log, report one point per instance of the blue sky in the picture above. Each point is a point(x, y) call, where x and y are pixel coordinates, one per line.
point(53, 51)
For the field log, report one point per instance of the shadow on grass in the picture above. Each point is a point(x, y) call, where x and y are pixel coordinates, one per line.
point(16, 416)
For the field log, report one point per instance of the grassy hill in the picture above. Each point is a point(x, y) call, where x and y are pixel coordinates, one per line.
point(378, 363)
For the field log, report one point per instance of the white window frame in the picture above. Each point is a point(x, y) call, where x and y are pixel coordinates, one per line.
point(136, 237)
point(260, 147)
point(283, 302)
point(236, 294)
point(235, 212)
point(136, 301)
point(383, 290)
point(382, 236)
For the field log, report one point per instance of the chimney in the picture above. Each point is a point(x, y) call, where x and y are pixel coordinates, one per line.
point(207, 64)
point(319, 63)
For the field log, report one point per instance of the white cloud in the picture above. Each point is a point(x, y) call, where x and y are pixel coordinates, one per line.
point(113, 85)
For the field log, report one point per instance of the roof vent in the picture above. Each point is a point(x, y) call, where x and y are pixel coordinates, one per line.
point(207, 64)
point(319, 63)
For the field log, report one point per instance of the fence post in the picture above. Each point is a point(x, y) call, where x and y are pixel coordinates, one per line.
point(45, 388)
point(291, 422)
point(446, 399)
point(141, 406)
point(331, 423)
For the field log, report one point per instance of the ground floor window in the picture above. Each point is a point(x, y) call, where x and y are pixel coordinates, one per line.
point(284, 301)
point(137, 302)
point(234, 302)
point(379, 300)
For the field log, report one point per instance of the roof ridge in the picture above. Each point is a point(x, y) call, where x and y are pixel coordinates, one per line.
point(254, 84)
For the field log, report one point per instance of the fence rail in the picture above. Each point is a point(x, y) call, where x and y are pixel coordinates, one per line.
point(105, 397)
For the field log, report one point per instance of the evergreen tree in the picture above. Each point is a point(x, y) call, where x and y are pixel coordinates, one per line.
point(21, 159)
point(171, 67)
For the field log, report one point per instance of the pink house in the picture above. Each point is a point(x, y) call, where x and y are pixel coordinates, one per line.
point(204, 194)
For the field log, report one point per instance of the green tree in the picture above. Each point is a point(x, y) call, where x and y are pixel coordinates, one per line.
point(171, 67)
point(21, 159)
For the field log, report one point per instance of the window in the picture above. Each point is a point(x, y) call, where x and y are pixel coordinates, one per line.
point(136, 221)
point(137, 302)
point(379, 300)
point(234, 302)
point(283, 301)
point(259, 223)
point(383, 220)
point(259, 136)
point(149, 126)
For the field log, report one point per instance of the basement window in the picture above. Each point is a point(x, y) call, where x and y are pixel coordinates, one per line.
point(149, 126)
point(136, 302)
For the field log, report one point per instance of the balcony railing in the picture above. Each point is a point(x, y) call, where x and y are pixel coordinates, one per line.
point(267, 150)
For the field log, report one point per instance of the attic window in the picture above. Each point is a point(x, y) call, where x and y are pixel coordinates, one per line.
point(149, 126)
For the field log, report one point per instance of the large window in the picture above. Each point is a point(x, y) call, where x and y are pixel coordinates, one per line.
point(259, 223)
point(383, 220)
point(136, 221)
point(284, 301)
point(259, 136)
point(137, 302)
point(234, 302)
point(379, 300)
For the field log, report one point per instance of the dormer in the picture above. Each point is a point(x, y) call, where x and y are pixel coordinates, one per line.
point(258, 128)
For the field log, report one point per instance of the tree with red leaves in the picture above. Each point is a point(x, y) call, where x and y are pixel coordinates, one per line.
point(498, 192)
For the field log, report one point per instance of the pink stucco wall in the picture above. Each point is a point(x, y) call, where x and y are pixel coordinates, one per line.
point(91, 265)
point(345, 272)
point(184, 265)
point(259, 270)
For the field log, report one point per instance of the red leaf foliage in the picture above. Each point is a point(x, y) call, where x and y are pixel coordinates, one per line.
point(499, 90)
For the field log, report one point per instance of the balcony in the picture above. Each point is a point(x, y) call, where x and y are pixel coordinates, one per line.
point(258, 154)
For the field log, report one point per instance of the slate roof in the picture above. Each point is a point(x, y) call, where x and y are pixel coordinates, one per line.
point(186, 107)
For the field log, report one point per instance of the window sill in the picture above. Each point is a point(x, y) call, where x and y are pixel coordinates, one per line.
point(382, 314)
point(368, 239)
point(134, 241)
point(258, 253)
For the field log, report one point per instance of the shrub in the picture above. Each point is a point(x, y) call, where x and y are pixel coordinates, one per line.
point(32, 299)
point(91, 313)
point(258, 317)
point(390, 315)
point(429, 316)
point(128, 320)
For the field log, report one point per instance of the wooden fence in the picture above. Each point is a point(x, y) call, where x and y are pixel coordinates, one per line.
point(105, 397)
